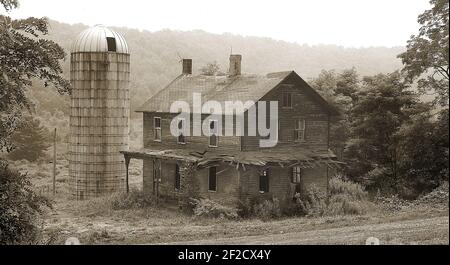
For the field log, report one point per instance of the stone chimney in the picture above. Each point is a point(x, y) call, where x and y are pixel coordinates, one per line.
point(235, 64)
point(187, 67)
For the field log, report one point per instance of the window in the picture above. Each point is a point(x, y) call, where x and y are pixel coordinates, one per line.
point(296, 175)
point(111, 44)
point(181, 128)
point(212, 179)
point(287, 100)
point(213, 131)
point(300, 128)
point(157, 128)
point(264, 181)
point(177, 177)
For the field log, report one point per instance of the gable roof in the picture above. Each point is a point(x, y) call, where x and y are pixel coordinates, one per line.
point(222, 89)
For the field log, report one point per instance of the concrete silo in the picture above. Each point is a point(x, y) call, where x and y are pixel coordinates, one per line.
point(100, 112)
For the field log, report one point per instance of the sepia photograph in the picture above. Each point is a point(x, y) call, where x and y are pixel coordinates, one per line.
point(243, 125)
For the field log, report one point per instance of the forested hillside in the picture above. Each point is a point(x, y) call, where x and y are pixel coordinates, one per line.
point(156, 56)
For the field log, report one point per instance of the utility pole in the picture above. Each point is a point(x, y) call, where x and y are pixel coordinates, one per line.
point(54, 163)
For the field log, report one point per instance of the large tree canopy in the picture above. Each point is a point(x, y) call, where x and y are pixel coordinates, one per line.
point(24, 57)
point(427, 57)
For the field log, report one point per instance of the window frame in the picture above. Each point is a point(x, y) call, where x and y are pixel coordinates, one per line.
point(297, 129)
point(289, 100)
point(111, 44)
point(264, 174)
point(216, 135)
point(296, 175)
point(209, 179)
point(157, 129)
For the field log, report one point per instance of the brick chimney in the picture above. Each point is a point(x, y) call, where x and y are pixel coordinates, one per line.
point(187, 67)
point(235, 64)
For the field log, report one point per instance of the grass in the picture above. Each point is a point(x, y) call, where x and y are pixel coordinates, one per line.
point(97, 222)
point(94, 223)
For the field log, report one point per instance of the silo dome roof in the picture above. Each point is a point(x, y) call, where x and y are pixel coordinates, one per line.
point(100, 39)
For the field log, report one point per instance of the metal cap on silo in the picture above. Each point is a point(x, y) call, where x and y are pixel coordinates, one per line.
point(100, 39)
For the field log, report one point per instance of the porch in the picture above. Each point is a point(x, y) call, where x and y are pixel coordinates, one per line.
point(240, 174)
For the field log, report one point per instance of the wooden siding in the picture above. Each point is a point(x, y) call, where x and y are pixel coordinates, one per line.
point(195, 143)
point(303, 107)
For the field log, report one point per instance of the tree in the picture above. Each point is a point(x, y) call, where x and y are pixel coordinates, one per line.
point(20, 208)
point(383, 105)
point(427, 56)
point(423, 150)
point(30, 140)
point(24, 56)
point(211, 69)
point(341, 90)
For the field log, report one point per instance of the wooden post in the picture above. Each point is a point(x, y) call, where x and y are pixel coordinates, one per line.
point(127, 164)
point(54, 163)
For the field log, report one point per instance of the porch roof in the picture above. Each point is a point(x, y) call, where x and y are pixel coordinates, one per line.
point(285, 158)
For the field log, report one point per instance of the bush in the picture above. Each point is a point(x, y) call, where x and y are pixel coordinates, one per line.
point(313, 202)
point(338, 186)
point(268, 209)
point(245, 208)
point(212, 209)
point(262, 208)
point(347, 198)
point(20, 208)
point(135, 199)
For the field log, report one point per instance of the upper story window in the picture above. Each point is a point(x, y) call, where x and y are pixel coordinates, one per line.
point(286, 101)
point(111, 44)
point(300, 128)
point(213, 130)
point(157, 128)
point(181, 128)
point(296, 175)
point(264, 181)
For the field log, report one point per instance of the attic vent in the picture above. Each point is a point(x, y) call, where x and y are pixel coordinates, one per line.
point(111, 44)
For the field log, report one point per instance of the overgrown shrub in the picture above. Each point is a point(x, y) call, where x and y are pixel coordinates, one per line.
point(245, 208)
point(135, 199)
point(347, 198)
point(312, 202)
point(262, 208)
point(20, 208)
point(212, 209)
point(268, 209)
point(344, 198)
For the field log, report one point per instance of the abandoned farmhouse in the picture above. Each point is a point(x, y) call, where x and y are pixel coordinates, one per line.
point(232, 168)
point(217, 166)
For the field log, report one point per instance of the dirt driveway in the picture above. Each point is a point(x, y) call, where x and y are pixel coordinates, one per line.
point(420, 231)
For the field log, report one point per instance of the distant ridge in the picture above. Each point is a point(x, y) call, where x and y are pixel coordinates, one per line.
point(155, 59)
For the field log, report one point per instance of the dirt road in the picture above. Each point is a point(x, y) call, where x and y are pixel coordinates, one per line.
point(419, 231)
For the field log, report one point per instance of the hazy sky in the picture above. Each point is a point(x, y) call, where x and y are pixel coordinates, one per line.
point(342, 22)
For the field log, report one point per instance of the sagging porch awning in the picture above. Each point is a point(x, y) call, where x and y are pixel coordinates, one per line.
point(302, 158)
